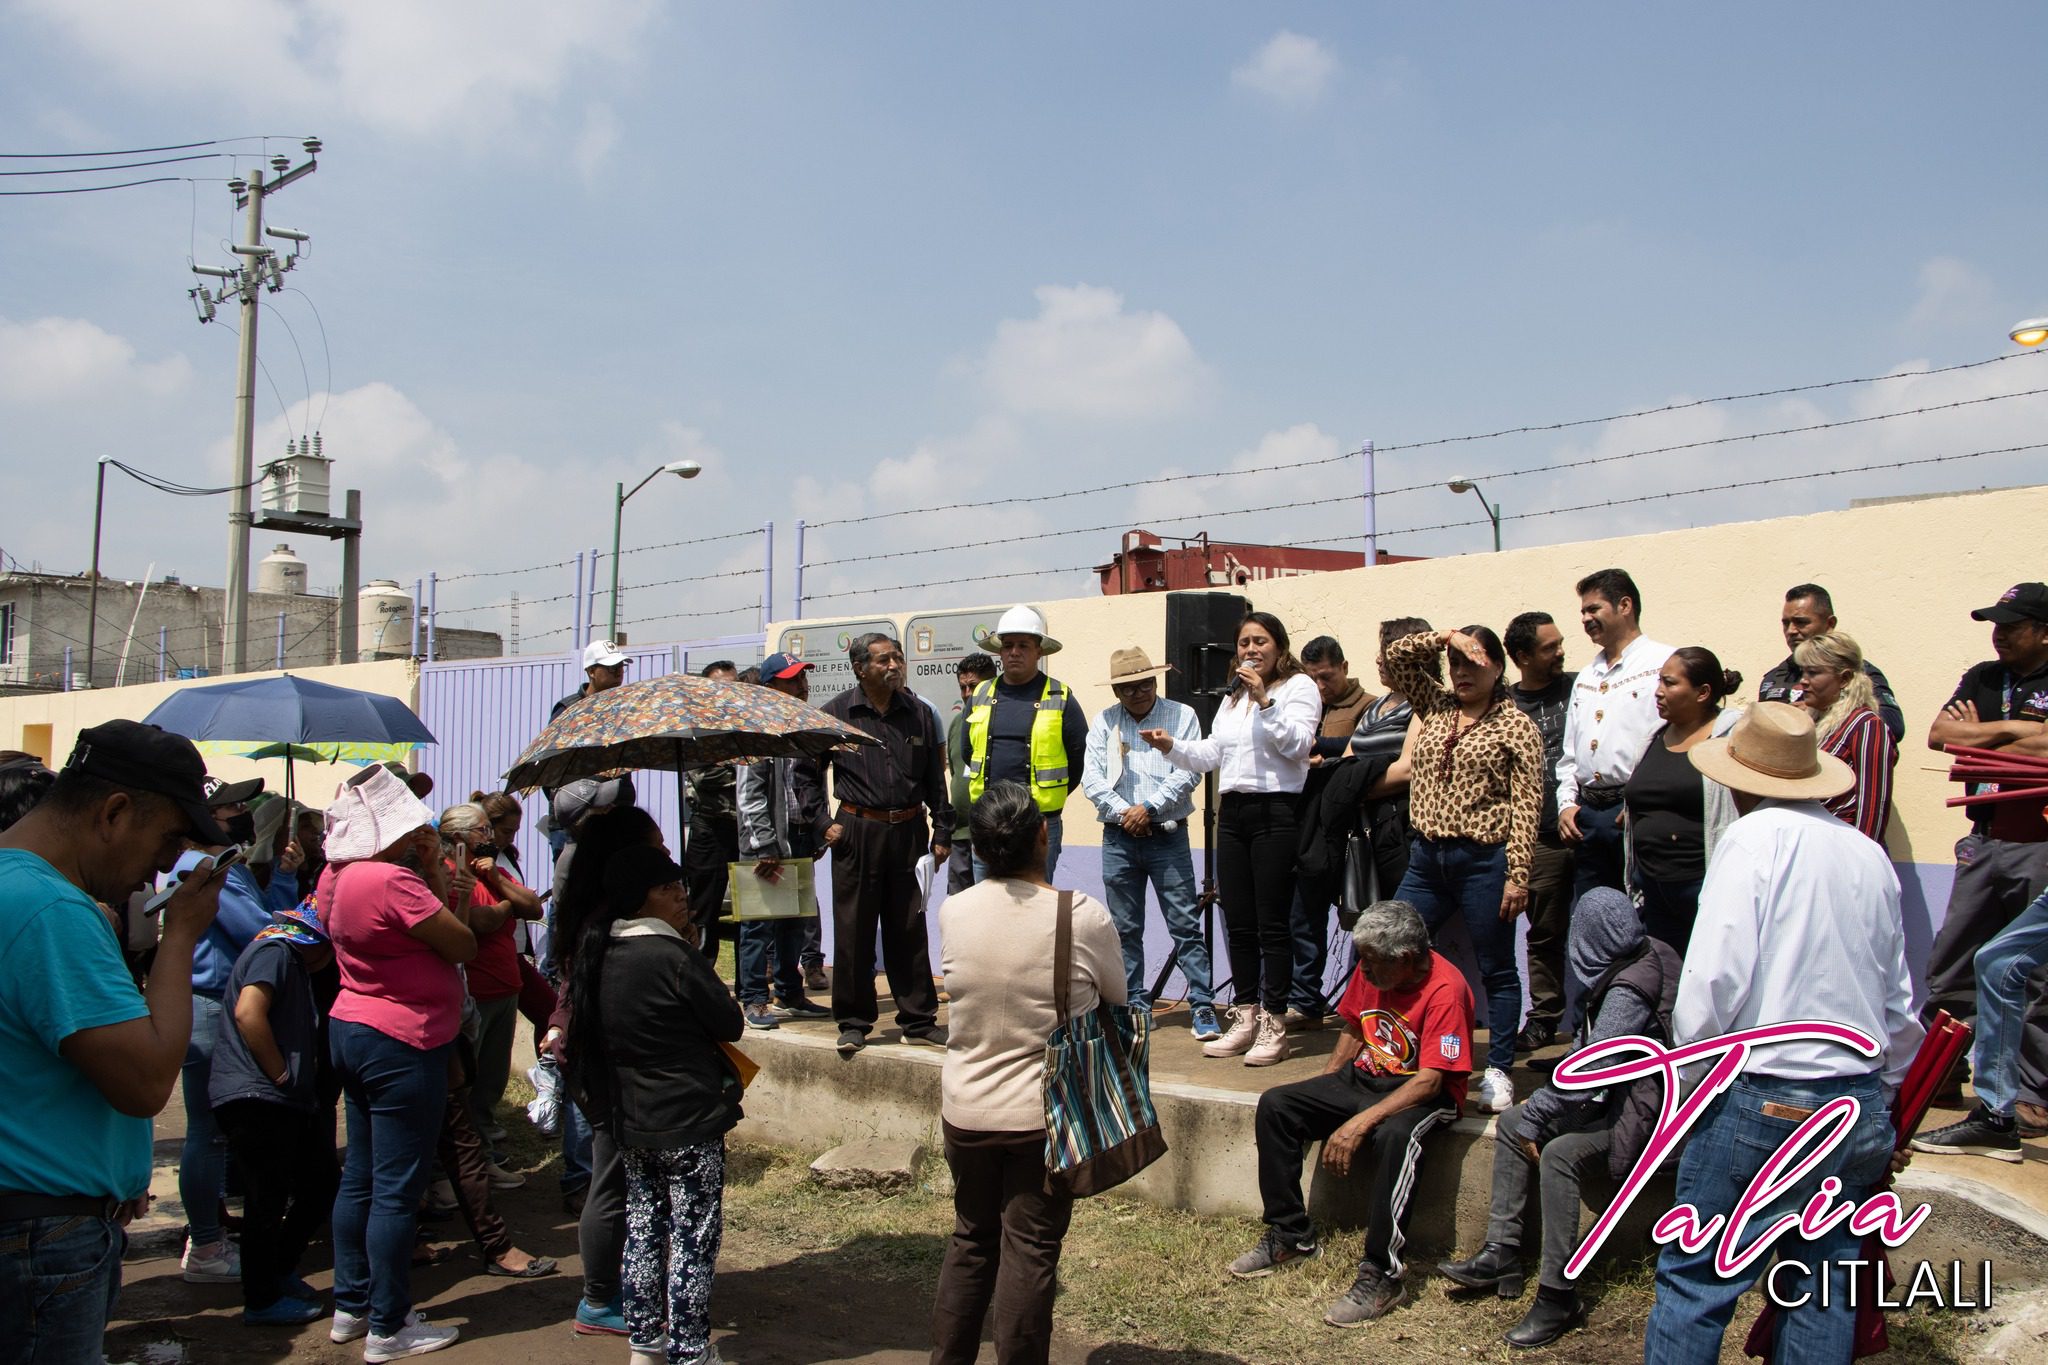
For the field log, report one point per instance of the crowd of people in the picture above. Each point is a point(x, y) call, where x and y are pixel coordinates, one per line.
point(1688, 865)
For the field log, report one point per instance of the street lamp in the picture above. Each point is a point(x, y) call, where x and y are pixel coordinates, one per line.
point(1492, 508)
point(682, 469)
point(2032, 332)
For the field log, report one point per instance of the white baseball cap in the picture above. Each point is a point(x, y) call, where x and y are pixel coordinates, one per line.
point(602, 654)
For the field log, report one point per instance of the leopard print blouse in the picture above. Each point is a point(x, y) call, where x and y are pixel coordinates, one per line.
point(1484, 783)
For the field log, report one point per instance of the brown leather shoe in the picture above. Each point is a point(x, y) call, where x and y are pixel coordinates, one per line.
point(2032, 1118)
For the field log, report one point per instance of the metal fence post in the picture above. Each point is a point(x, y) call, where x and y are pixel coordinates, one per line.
point(433, 596)
point(67, 668)
point(796, 612)
point(163, 650)
point(590, 603)
point(576, 608)
point(418, 596)
point(1372, 511)
point(280, 642)
point(767, 573)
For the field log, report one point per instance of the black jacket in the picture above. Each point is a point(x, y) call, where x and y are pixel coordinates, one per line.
point(664, 1081)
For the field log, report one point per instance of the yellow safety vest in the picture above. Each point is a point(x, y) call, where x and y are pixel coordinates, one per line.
point(1050, 774)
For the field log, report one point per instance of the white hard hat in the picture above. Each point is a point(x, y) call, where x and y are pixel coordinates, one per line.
point(1018, 620)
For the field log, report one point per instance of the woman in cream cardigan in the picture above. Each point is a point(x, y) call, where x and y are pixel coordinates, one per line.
point(998, 958)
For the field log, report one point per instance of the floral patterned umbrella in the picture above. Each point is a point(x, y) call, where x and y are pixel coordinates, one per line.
point(675, 722)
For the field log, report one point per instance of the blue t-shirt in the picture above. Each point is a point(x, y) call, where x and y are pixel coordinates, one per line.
point(60, 973)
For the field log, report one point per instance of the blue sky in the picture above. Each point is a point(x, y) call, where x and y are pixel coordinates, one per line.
point(862, 258)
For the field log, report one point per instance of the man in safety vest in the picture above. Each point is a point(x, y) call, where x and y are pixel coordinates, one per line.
point(1025, 727)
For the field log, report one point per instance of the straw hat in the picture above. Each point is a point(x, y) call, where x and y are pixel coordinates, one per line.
point(1773, 751)
point(372, 811)
point(1131, 665)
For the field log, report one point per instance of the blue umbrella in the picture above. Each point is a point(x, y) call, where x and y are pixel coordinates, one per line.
point(288, 710)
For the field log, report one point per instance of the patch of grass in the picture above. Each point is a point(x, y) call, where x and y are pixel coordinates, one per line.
point(1135, 1273)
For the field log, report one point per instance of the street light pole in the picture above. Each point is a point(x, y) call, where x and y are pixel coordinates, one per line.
point(682, 469)
point(1492, 508)
point(92, 594)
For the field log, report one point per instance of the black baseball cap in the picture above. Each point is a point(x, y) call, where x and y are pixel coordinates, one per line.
point(2021, 602)
point(149, 758)
point(221, 792)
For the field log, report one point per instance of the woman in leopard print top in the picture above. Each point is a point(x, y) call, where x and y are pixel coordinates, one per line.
point(1475, 800)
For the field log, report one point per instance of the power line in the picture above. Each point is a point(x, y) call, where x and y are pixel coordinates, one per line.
point(163, 485)
point(117, 166)
point(327, 354)
point(142, 151)
point(1435, 441)
point(95, 189)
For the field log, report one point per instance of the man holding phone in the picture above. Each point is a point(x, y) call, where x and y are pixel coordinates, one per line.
point(94, 1059)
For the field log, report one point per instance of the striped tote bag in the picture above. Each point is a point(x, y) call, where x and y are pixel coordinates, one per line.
point(1100, 1126)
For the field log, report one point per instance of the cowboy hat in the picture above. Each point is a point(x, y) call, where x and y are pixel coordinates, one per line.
point(1018, 620)
point(1773, 751)
point(1132, 665)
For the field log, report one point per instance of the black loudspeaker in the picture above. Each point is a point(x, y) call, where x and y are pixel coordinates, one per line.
point(1201, 641)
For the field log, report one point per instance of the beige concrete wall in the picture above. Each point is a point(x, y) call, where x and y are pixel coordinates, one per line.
point(47, 723)
point(1904, 578)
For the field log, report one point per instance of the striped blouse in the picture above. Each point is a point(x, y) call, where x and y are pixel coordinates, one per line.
point(1862, 742)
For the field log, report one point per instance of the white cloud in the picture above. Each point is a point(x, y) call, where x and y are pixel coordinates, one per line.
point(1281, 455)
point(1289, 69)
point(1953, 293)
point(595, 143)
point(56, 359)
point(461, 67)
point(1084, 357)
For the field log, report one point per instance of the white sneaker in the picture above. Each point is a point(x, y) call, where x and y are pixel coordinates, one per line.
point(413, 1339)
point(502, 1179)
point(217, 1263)
point(1496, 1091)
point(348, 1327)
point(654, 1353)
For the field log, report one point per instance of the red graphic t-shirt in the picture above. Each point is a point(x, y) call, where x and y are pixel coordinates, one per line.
point(1428, 1026)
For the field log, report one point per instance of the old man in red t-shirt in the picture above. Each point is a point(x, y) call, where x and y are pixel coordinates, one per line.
point(1398, 1073)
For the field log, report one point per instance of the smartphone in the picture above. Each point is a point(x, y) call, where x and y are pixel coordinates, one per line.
point(238, 854)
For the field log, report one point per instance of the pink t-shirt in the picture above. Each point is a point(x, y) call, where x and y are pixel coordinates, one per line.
point(390, 981)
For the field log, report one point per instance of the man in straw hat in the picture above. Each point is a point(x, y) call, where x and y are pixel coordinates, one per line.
point(1145, 804)
point(1024, 727)
point(1798, 920)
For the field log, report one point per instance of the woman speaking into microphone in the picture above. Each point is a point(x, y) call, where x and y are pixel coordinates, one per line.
point(1259, 747)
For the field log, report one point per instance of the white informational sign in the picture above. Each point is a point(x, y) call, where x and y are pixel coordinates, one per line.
point(934, 645)
point(822, 645)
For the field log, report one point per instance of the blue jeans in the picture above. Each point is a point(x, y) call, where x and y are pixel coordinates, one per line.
point(1052, 851)
point(1163, 861)
point(1733, 1140)
point(58, 1280)
point(203, 1164)
point(786, 937)
point(2003, 966)
point(575, 1146)
point(1600, 857)
point(395, 1096)
point(1458, 876)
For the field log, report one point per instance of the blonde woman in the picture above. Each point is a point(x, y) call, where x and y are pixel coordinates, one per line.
point(1844, 706)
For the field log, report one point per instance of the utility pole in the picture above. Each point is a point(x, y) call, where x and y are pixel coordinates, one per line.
point(259, 268)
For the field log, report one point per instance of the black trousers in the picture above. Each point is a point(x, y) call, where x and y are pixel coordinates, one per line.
point(601, 1232)
point(1995, 880)
point(1005, 1252)
point(289, 1176)
point(711, 845)
point(1600, 857)
point(1550, 919)
point(1255, 851)
point(874, 885)
point(1292, 1116)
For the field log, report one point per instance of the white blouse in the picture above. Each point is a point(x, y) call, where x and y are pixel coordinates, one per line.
point(1259, 748)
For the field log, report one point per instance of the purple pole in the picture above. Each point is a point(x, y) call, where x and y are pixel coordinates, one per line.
point(1372, 531)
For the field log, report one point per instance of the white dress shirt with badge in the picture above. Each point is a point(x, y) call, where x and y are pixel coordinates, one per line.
point(1799, 919)
point(1259, 748)
point(1612, 715)
point(1121, 770)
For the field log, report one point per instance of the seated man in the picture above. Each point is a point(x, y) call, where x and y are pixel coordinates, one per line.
point(1627, 983)
point(1399, 1071)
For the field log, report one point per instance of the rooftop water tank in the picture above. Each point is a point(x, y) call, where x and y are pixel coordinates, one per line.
point(281, 571)
point(384, 620)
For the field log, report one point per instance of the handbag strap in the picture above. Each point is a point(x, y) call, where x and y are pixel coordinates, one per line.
point(1063, 958)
